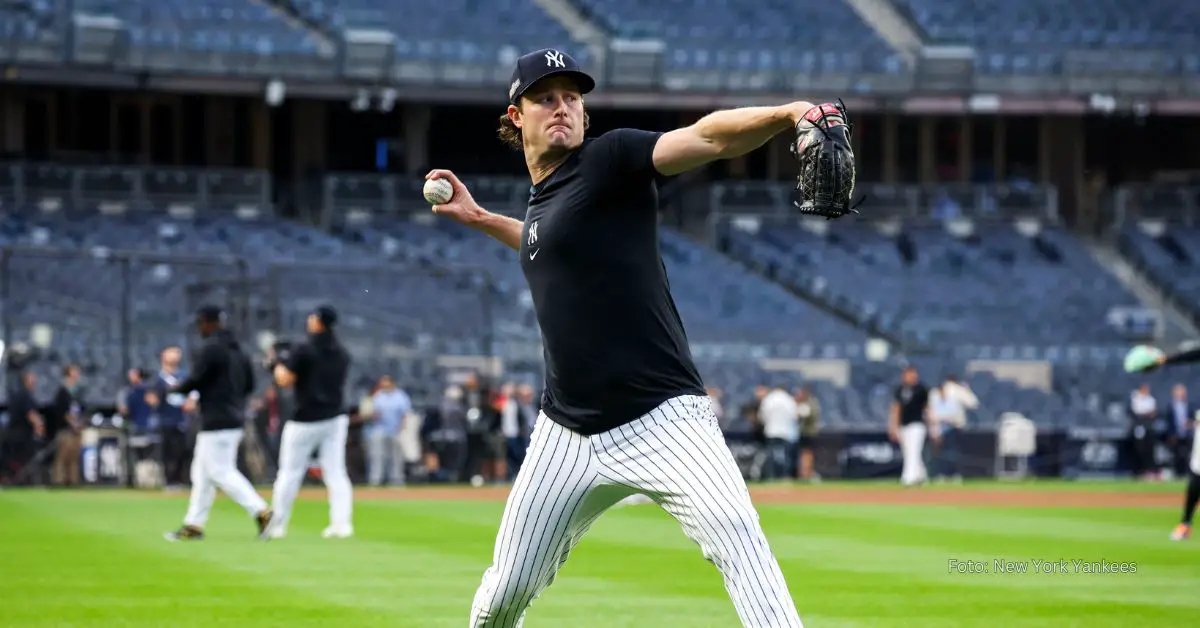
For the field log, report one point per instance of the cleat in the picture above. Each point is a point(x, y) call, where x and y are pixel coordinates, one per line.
point(263, 519)
point(338, 532)
point(185, 533)
point(1182, 532)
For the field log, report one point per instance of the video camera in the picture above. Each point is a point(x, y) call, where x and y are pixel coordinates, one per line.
point(17, 357)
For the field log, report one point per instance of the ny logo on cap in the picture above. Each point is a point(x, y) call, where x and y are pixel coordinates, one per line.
point(554, 58)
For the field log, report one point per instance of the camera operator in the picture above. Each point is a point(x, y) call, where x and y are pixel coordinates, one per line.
point(26, 429)
point(316, 370)
point(223, 377)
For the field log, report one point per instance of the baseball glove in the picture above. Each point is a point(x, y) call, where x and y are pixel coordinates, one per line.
point(826, 180)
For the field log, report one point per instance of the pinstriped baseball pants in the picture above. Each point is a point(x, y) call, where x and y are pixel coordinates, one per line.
point(677, 456)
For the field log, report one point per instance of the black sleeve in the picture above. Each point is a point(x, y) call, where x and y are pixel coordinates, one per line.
point(620, 157)
point(251, 380)
point(298, 360)
point(62, 403)
point(205, 364)
point(896, 394)
point(1184, 357)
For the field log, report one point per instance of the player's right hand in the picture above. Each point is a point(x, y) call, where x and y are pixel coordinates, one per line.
point(462, 206)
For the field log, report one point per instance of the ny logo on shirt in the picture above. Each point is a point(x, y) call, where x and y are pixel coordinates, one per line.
point(532, 240)
point(554, 59)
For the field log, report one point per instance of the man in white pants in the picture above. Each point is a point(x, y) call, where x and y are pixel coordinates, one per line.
point(317, 370)
point(624, 410)
point(907, 425)
point(223, 377)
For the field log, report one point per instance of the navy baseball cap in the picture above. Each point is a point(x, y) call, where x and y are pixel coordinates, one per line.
point(545, 63)
point(327, 315)
point(210, 314)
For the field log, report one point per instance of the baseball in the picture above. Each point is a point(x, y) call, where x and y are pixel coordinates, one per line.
point(438, 191)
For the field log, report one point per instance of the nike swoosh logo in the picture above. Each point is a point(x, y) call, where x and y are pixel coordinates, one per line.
point(533, 254)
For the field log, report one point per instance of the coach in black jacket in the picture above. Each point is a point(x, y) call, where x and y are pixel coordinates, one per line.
point(223, 379)
point(222, 375)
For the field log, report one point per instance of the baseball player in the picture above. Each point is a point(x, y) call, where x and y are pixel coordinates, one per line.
point(1153, 360)
point(317, 370)
point(624, 410)
point(223, 377)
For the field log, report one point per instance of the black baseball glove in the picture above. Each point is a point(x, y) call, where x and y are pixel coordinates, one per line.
point(826, 180)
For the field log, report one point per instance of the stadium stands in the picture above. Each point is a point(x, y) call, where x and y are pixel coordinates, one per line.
point(470, 38)
point(1167, 259)
point(930, 286)
point(734, 318)
point(823, 37)
point(1046, 33)
point(234, 34)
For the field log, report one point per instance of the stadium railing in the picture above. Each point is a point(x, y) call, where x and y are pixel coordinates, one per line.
point(901, 201)
point(1177, 202)
point(105, 309)
point(113, 310)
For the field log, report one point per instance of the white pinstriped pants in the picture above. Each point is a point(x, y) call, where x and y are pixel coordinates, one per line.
point(677, 456)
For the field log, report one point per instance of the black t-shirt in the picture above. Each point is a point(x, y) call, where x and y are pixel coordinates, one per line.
point(615, 347)
point(58, 410)
point(912, 400)
point(320, 366)
point(20, 404)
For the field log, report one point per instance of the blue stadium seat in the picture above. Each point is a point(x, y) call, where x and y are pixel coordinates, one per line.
point(1031, 36)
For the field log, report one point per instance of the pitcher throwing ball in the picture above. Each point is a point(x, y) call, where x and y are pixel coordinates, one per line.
point(624, 409)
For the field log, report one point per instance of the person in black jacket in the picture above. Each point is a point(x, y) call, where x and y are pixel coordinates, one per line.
point(1183, 530)
point(316, 370)
point(222, 377)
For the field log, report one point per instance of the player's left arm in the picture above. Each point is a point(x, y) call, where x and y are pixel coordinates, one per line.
point(1183, 357)
point(724, 135)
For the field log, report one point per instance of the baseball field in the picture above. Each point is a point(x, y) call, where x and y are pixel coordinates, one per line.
point(1049, 554)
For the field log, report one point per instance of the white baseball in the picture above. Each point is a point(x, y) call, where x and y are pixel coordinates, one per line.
point(438, 191)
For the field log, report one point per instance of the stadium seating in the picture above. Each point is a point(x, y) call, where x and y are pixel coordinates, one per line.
point(1031, 37)
point(81, 296)
point(212, 26)
point(28, 26)
point(469, 33)
point(410, 290)
point(815, 37)
point(1167, 260)
point(933, 288)
point(719, 301)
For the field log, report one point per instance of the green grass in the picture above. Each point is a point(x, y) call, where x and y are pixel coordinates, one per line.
point(98, 559)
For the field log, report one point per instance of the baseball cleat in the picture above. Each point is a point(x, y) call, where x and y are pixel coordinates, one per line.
point(338, 532)
point(185, 533)
point(1182, 532)
point(263, 519)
